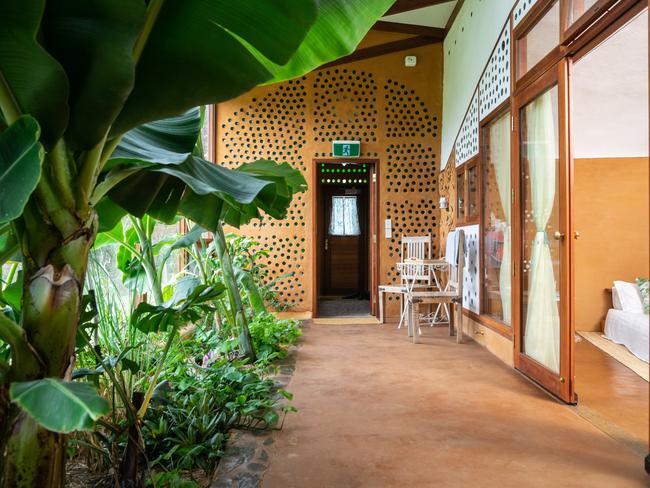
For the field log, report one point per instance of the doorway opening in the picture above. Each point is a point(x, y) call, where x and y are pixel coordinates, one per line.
point(609, 231)
point(345, 208)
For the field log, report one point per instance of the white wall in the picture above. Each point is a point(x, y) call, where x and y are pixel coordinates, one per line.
point(610, 96)
point(467, 49)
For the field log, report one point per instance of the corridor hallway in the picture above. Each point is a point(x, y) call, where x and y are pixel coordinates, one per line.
point(375, 410)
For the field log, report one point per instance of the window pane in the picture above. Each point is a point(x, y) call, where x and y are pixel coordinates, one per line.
point(344, 220)
point(541, 222)
point(472, 196)
point(540, 41)
point(460, 196)
point(496, 220)
point(579, 7)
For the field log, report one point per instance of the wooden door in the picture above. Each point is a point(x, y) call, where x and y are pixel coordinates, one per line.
point(544, 336)
point(345, 266)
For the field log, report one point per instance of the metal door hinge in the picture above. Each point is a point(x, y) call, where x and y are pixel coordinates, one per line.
point(512, 196)
point(374, 238)
point(374, 177)
point(326, 242)
point(512, 123)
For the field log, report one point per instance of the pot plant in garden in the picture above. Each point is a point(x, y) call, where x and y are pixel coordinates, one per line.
point(77, 80)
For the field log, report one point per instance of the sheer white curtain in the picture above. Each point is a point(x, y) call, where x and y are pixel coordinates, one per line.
point(344, 220)
point(500, 148)
point(542, 336)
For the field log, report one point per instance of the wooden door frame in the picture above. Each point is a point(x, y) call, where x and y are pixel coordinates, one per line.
point(373, 211)
point(561, 385)
point(575, 41)
point(500, 111)
point(327, 192)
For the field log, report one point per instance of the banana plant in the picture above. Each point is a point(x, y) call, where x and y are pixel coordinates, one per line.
point(77, 78)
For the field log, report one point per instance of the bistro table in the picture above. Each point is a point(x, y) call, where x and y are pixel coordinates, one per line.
point(414, 271)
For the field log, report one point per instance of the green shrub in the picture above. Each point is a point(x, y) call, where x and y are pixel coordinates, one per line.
point(272, 335)
point(187, 426)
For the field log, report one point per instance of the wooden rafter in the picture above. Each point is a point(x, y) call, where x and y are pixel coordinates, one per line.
point(453, 15)
point(381, 49)
point(407, 5)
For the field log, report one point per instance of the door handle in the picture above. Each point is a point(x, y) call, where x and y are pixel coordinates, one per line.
point(576, 235)
point(558, 236)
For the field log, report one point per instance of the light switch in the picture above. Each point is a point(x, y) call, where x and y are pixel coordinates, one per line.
point(388, 228)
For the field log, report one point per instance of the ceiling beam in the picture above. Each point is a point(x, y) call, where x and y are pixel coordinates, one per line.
point(407, 5)
point(381, 49)
point(416, 30)
point(454, 14)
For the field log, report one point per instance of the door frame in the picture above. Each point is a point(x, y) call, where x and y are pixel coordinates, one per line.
point(373, 211)
point(561, 385)
point(593, 28)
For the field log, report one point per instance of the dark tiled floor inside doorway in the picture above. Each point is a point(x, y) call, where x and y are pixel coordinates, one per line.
point(343, 307)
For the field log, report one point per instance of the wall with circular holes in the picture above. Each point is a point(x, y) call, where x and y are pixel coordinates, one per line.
point(396, 114)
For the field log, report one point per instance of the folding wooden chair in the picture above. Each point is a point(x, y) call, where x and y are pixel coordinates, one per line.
point(413, 248)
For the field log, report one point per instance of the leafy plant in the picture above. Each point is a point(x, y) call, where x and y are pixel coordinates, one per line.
point(249, 256)
point(271, 335)
point(188, 429)
point(78, 80)
point(185, 425)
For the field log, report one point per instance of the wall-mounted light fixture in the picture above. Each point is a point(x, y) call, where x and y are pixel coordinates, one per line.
point(410, 61)
point(444, 204)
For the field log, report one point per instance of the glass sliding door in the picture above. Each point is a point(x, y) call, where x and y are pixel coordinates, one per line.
point(541, 230)
point(496, 230)
point(544, 349)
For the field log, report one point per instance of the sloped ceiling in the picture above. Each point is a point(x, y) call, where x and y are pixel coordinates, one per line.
point(433, 16)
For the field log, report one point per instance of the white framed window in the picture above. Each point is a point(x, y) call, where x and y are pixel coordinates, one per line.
point(344, 219)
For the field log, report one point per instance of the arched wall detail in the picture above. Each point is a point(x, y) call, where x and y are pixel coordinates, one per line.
point(396, 114)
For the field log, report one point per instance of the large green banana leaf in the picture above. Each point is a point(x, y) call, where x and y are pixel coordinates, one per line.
point(211, 51)
point(76, 64)
point(340, 26)
point(8, 244)
point(28, 73)
point(59, 406)
point(168, 179)
point(97, 58)
point(21, 156)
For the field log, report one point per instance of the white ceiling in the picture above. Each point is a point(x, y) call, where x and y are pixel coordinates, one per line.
point(434, 16)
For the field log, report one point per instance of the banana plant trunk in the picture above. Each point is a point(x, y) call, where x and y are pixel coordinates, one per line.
point(54, 268)
point(236, 303)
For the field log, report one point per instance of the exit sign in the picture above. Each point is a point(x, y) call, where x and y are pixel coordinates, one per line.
point(346, 149)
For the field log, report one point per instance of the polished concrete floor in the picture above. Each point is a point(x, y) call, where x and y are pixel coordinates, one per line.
point(614, 393)
point(375, 410)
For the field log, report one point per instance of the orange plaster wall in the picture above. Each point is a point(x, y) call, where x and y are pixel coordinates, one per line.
point(611, 214)
point(396, 113)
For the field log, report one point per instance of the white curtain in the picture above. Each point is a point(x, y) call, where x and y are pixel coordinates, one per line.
point(344, 220)
point(542, 336)
point(500, 158)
